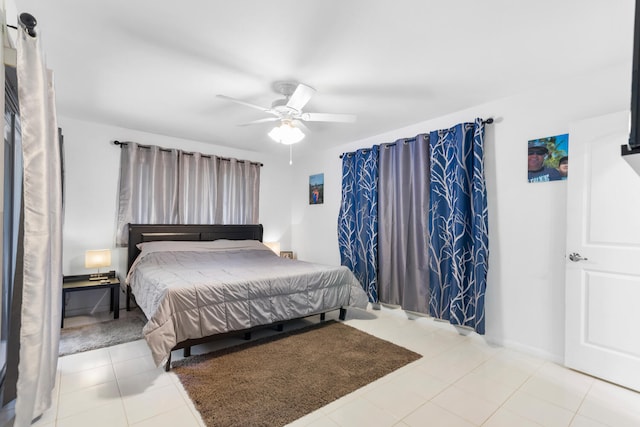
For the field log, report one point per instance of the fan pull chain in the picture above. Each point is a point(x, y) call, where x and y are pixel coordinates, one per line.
point(290, 154)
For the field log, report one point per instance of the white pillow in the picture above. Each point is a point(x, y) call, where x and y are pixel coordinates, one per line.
point(175, 246)
point(237, 244)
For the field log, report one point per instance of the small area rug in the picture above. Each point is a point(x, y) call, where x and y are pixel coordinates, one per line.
point(98, 335)
point(276, 380)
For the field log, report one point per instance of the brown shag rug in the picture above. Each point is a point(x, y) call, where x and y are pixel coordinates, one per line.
point(276, 380)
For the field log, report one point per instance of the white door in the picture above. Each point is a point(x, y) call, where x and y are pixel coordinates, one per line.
point(602, 324)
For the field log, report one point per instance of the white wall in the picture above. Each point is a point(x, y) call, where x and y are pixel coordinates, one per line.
point(92, 165)
point(525, 291)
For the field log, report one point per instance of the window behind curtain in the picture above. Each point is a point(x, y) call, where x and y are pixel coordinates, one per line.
point(11, 207)
point(162, 186)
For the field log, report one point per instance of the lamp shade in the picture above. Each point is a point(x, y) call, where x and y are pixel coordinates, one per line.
point(286, 134)
point(97, 258)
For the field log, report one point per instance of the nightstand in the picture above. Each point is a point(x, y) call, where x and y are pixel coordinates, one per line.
point(82, 283)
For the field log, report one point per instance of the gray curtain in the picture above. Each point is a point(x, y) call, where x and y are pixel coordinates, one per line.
point(403, 221)
point(148, 187)
point(198, 176)
point(238, 191)
point(42, 238)
point(163, 186)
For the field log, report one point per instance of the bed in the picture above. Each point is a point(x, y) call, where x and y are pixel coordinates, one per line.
point(195, 283)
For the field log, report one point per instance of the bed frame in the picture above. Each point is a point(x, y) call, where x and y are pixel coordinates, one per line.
point(139, 233)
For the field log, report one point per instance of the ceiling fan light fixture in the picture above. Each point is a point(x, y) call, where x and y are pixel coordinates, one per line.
point(286, 134)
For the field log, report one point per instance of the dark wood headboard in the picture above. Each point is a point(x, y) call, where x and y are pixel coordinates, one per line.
point(139, 233)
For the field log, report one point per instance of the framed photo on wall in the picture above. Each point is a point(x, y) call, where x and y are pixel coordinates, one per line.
point(548, 158)
point(316, 189)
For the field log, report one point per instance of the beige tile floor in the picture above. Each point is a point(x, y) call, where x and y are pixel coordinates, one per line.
point(460, 381)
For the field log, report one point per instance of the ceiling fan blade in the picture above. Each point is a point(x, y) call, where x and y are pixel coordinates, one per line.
point(300, 96)
point(328, 117)
point(247, 104)
point(268, 119)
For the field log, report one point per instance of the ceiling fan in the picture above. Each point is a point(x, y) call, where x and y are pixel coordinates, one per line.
point(288, 111)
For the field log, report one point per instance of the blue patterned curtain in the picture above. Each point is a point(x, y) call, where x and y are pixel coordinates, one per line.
point(358, 218)
point(458, 225)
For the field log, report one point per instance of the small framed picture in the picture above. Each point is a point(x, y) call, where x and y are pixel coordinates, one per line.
point(286, 254)
point(316, 189)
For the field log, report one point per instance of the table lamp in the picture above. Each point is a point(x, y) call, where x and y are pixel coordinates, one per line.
point(96, 259)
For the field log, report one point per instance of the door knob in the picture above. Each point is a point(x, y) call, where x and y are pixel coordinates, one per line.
point(575, 257)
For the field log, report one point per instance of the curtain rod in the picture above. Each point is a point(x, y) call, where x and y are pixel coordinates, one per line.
point(29, 22)
point(188, 153)
point(391, 144)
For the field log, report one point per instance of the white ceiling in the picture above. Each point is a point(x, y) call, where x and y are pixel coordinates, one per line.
point(157, 66)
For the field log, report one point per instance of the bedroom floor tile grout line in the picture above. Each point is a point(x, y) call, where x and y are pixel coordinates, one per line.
point(460, 380)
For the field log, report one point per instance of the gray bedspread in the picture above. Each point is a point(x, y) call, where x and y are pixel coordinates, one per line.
point(194, 294)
